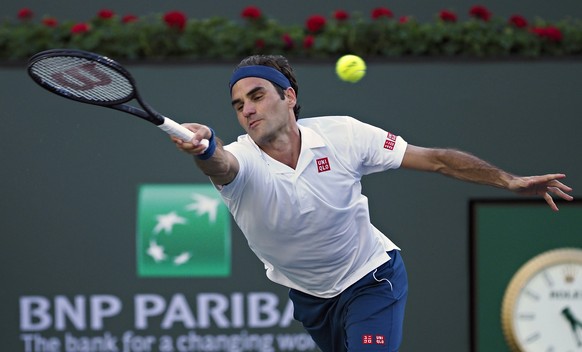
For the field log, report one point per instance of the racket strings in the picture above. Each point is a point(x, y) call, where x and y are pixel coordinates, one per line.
point(83, 79)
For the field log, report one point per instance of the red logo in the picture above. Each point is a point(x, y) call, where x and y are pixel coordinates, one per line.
point(322, 165)
point(389, 145)
point(380, 340)
point(373, 339)
point(390, 141)
point(83, 77)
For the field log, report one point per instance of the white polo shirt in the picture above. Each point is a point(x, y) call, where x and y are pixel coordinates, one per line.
point(310, 226)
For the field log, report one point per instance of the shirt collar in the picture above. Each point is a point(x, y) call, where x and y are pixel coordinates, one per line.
point(310, 139)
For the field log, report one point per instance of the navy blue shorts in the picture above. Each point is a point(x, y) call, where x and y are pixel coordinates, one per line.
point(367, 316)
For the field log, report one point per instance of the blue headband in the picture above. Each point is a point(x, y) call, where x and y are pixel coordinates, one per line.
point(260, 71)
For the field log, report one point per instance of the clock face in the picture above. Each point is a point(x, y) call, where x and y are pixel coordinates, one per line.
point(542, 308)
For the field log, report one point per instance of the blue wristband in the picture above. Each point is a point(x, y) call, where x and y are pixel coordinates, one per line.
point(209, 152)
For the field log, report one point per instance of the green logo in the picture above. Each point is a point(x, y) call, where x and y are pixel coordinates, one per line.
point(182, 231)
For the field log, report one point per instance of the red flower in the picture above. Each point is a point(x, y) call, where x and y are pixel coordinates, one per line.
point(251, 13)
point(315, 23)
point(448, 16)
point(404, 19)
point(25, 14)
point(550, 32)
point(480, 12)
point(129, 18)
point(80, 28)
point(341, 15)
point(518, 21)
point(539, 31)
point(259, 43)
point(288, 43)
point(176, 19)
point(553, 33)
point(308, 41)
point(380, 12)
point(50, 22)
point(105, 14)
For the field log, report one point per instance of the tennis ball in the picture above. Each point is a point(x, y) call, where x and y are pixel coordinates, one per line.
point(350, 68)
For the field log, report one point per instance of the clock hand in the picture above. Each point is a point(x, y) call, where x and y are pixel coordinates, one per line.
point(574, 323)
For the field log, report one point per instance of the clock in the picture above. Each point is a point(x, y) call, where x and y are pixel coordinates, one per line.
point(542, 305)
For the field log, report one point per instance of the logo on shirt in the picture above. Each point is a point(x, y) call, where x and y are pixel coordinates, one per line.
point(322, 164)
point(380, 340)
point(369, 339)
point(390, 141)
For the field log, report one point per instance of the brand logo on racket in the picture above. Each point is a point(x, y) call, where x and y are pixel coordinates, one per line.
point(81, 78)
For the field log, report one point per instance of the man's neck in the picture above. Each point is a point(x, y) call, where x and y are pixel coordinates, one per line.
point(286, 148)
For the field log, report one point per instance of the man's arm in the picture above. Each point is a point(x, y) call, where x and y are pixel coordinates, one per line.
point(222, 167)
point(466, 167)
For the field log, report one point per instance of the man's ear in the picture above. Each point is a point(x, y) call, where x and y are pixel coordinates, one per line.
point(291, 96)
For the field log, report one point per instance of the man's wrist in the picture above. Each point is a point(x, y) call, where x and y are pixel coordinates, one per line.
point(211, 147)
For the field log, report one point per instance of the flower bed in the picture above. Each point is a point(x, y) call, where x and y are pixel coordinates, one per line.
point(379, 34)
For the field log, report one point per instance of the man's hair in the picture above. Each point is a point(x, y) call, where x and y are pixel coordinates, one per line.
point(281, 64)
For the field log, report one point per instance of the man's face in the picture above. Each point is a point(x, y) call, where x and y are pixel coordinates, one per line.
point(260, 110)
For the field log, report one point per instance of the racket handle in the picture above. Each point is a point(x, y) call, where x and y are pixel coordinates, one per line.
point(173, 128)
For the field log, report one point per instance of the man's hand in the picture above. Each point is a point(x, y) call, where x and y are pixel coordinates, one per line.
point(194, 147)
point(544, 185)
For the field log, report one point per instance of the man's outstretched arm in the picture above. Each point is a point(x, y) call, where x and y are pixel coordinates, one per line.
point(467, 167)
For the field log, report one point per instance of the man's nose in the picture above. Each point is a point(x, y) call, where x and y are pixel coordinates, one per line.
point(249, 109)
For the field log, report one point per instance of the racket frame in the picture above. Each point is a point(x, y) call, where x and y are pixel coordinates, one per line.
point(148, 113)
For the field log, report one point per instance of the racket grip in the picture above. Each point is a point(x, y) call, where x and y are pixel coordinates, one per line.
point(173, 128)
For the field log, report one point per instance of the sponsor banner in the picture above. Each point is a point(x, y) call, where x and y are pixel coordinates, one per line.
point(254, 321)
point(183, 243)
point(182, 231)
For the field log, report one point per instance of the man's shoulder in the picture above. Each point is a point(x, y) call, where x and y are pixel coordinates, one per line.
point(326, 123)
point(328, 118)
point(244, 143)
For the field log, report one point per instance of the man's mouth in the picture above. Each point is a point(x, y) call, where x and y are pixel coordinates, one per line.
point(253, 123)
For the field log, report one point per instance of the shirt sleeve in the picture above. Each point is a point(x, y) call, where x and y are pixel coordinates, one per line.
point(253, 170)
point(377, 149)
point(231, 191)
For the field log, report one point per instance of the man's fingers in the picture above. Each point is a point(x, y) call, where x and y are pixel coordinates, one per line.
point(550, 177)
point(560, 192)
point(550, 201)
point(561, 186)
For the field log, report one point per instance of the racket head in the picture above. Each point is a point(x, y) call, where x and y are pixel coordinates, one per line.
point(82, 76)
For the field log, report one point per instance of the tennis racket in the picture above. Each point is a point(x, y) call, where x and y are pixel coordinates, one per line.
point(96, 79)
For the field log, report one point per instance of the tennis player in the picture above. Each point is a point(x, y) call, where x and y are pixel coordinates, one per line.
point(293, 188)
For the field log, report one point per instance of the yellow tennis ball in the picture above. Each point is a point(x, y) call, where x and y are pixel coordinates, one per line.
point(350, 68)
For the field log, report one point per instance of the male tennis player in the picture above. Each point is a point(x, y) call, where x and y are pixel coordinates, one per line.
point(280, 181)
